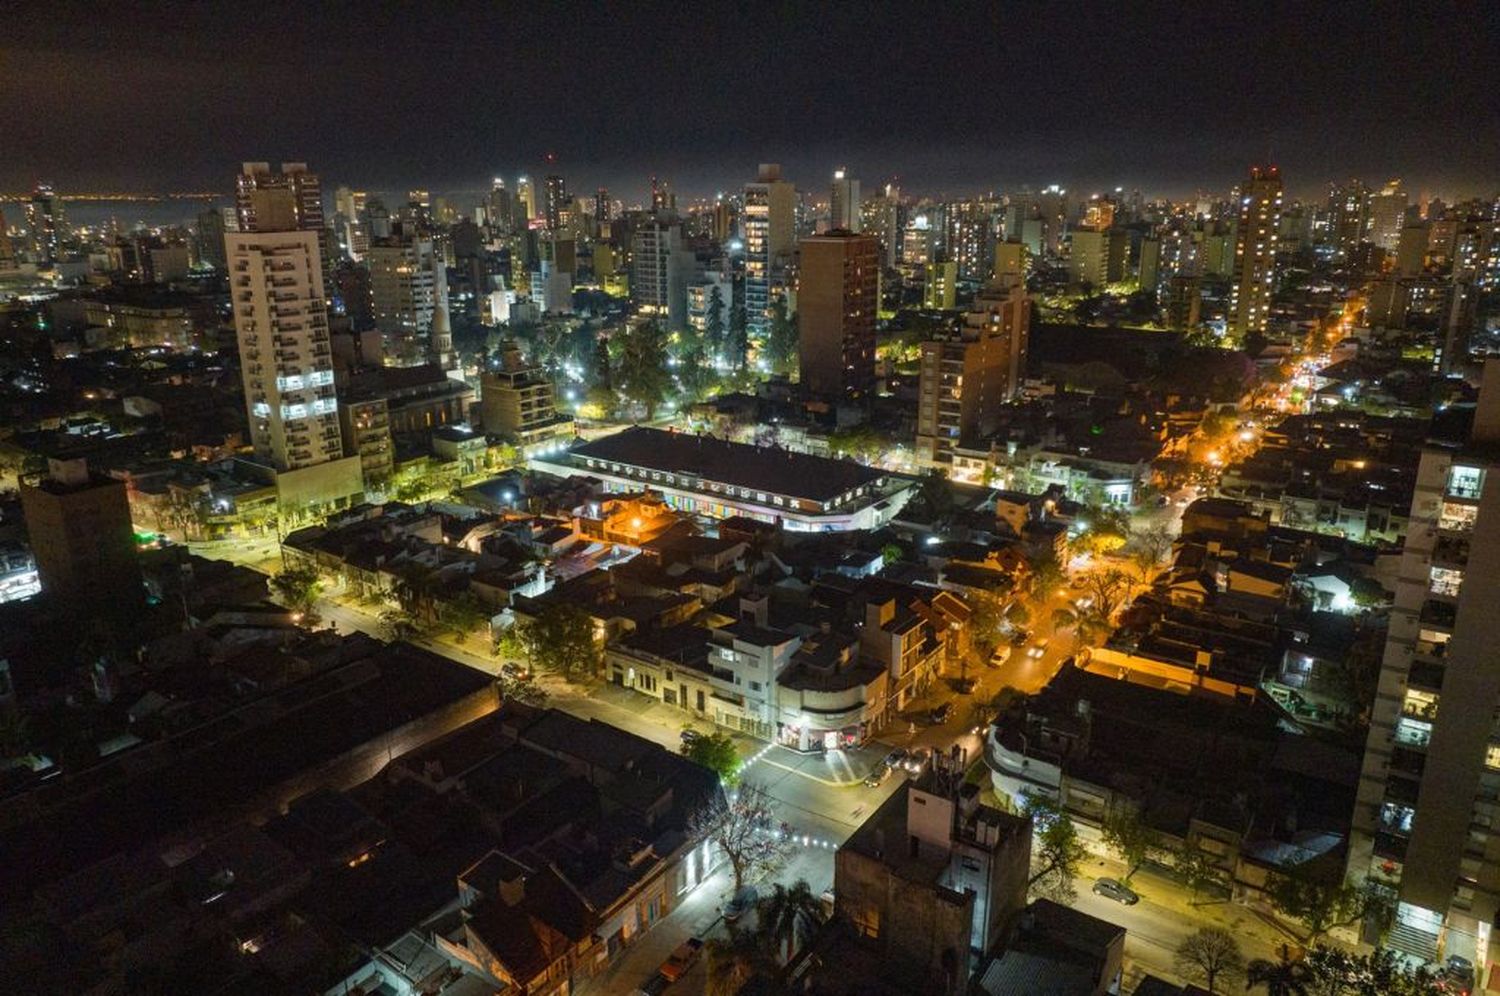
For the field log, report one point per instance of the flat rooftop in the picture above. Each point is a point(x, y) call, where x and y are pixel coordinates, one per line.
point(762, 468)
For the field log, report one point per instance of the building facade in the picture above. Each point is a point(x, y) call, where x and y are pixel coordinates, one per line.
point(769, 228)
point(281, 324)
point(837, 301)
point(1255, 251)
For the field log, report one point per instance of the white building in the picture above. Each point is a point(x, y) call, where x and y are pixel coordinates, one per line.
point(281, 322)
point(408, 285)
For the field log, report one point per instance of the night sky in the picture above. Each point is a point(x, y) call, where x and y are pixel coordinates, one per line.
point(952, 98)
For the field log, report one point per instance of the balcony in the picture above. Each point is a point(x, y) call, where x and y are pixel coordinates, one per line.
point(1438, 613)
point(1451, 550)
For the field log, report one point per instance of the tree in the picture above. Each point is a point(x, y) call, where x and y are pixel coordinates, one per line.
point(1209, 955)
point(1282, 977)
point(714, 331)
point(1130, 838)
point(1056, 850)
point(860, 442)
point(560, 639)
point(465, 613)
point(1108, 589)
point(1018, 615)
point(1322, 905)
point(641, 365)
point(788, 918)
point(717, 753)
point(298, 588)
point(890, 554)
point(1047, 575)
point(514, 689)
point(399, 624)
point(1196, 869)
point(695, 374)
point(935, 495)
point(1151, 547)
point(1377, 973)
point(732, 961)
point(741, 827)
point(781, 340)
point(738, 346)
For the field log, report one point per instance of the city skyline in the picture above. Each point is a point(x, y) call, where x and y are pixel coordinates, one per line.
point(1166, 105)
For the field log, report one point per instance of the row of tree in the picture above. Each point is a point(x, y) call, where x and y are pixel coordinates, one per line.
point(1211, 957)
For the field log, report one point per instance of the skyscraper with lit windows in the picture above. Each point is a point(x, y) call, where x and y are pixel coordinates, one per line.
point(1255, 251)
point(769, 225)
point(281, 323)
point(843, 202)
point(836, 304)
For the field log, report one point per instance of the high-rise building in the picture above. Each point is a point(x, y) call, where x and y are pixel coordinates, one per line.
point(281, 323)
point(940, 285)
point(601, 206)
point(1183, 305)
point(1387, 215)
point(769, 227)
point(970, 240)
point(1348, 215)
point(883, 220)
point(968, 374)
point(1011, 262)
point(1097, 257)
point(660, 270)
point(210, 238)
point(499, 208)
point(1255, 251)
point(7, 250)
point(556, 204)
point(79, 527)
point(844, 203)
point(44, 217)
point(526, 197)
point(836, 309)
point(303, 186)
point(518, 401)
point(1425, 820)
point(1148, 269)
point(408, 287)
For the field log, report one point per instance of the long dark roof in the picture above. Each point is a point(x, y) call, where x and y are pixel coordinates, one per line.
point(762, 468)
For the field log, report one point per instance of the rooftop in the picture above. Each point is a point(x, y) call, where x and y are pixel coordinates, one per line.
point(762, 468)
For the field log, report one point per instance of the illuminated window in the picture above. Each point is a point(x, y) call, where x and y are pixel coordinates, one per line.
point(1445, 581)
point(1457, 516)
point(1492, 757)
point(1465, 482)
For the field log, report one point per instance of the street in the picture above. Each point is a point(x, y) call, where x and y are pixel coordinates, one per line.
point(822, 797)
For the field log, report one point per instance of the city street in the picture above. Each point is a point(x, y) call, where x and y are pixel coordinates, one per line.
point(822, 797)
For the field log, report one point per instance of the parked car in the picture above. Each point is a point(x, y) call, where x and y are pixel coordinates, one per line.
point(918, 760)
point(940, 713)
point(878, 776)
point(1114, 889)
point(652, 986)
point(1000, 656)
point(896, 758)
point(690, 736)
point(1456, 975)
point(680, 960)
point(742, 901)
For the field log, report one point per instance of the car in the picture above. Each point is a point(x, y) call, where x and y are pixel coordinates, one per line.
point(1000, 656)
point(681, 959)
point(1019, 637)
point(878, 776)
point(653, 986)
point(896, 758)
point(514, 671)
point(690, 736)
point(917, 762)
point(940, 713)
point(742, 901)
point(965, 686)
point(1114, 889)
point(1456, 975)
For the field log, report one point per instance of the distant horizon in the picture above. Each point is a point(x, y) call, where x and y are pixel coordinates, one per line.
point(956, 99)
